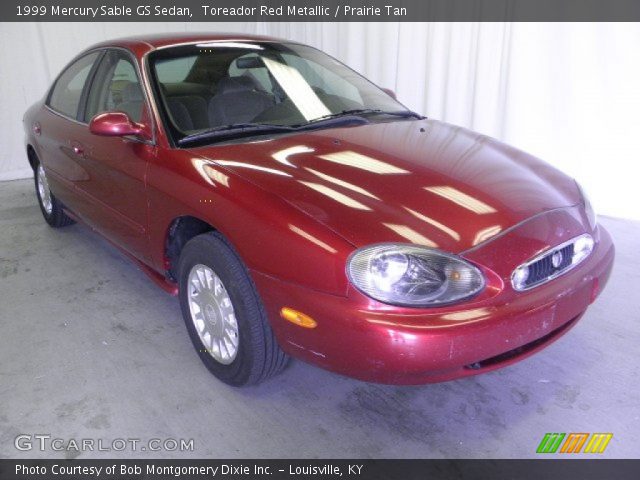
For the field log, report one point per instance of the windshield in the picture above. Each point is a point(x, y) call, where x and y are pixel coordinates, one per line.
point(216, 85)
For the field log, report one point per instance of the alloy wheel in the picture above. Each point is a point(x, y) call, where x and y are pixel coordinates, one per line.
point(43, 191)
point(212, 314)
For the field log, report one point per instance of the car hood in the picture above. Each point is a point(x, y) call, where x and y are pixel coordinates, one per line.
point(418, 181)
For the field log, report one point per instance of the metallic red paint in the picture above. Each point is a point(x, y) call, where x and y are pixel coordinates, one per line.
point(420, 181)
point(297, 205)
point(115, 124)
point(359, 337)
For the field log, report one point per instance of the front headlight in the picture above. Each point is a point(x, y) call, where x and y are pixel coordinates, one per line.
point(413, 276)
point(588, 208)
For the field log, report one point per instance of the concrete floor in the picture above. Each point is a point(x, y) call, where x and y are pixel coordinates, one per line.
point(90, 348)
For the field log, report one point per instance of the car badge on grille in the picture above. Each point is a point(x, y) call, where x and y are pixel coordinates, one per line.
point(556, 259)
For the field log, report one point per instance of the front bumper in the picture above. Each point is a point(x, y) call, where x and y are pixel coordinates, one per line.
point(361, 338)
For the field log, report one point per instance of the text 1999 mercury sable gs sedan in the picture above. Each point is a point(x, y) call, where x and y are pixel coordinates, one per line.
point(297, 209)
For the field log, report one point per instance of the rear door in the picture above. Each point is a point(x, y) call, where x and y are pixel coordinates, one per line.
point(59, 124)
point(117, 166)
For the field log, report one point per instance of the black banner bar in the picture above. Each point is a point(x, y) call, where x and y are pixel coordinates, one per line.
point(319, 10)
point(575, 468)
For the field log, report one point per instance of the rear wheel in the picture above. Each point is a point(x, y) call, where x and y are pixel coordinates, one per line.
point(224, 315)
point(50, 206)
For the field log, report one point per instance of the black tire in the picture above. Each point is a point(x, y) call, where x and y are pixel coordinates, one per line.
point(258, 356)
point(56, 218)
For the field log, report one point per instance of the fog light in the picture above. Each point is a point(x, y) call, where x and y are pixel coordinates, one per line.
point(298, 318)
point(520, 277)
point(582, 247)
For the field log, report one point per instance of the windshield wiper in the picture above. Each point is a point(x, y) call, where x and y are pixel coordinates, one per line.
point(245, 129)
point(332, 119)
point(233, 130)
point(369, 111)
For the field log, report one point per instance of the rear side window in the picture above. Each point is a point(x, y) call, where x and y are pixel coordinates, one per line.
point(65, 96)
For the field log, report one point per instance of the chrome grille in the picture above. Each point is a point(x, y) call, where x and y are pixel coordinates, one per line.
point(552, 263)
point(542, 269)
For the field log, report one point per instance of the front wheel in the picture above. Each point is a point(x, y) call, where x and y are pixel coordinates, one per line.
point(50, 206)
point(224, 315)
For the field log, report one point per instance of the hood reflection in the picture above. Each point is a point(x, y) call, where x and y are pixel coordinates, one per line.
point(421, 181)
point(462, 199)
point(410, 234)
point(363, 162)
point(282, 156)
point(337, 196)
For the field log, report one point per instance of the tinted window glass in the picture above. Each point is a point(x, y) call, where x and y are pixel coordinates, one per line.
point(175, 69)
point(258, 74)
point(323, 80)
point(217, 84)
point(65, 97)
point(116, 88)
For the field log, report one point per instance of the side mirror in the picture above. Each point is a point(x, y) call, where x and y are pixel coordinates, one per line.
point(389, 92)
point(115, 124)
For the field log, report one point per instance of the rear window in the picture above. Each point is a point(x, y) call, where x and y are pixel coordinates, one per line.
point(65, 96)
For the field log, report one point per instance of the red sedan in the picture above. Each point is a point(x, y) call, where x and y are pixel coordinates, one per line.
point(297, 209)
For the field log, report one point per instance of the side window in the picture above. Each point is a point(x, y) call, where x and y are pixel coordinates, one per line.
point(116, 88)
point(65, 96)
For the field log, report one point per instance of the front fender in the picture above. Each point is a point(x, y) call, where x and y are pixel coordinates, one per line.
point(271, 236)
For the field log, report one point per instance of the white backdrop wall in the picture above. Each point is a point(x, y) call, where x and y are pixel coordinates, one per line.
point(568, 93)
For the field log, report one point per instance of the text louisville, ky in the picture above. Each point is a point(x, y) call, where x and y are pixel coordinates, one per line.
point(211, 471)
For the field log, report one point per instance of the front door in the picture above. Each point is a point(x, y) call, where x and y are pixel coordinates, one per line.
point(117, 166)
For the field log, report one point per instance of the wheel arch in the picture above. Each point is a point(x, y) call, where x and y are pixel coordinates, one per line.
point(32, 156)
point(270, 235)
point(180, 231)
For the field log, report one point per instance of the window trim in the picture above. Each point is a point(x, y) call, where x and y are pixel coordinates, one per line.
point(82, 106)
point(154, 88)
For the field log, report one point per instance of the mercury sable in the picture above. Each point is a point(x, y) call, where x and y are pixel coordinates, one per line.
point(299, 210)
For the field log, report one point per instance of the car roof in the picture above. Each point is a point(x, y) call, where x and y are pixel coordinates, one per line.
point(160, 40)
